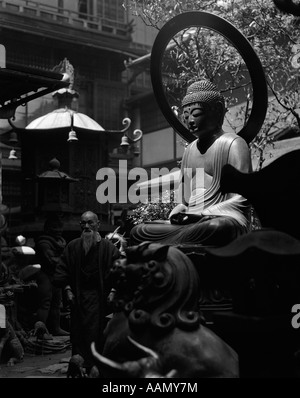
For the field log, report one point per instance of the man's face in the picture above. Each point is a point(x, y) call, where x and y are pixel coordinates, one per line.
point(89, 227)
point(199, 119)
point(88, 224)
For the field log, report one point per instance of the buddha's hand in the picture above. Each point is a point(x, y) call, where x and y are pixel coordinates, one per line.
point(181, 208)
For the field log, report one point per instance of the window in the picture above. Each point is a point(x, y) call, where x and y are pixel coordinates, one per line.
point(162, 146)
point(82, 8)
point(85, 7)
point(111, 9)
point(60, 5)
point(158, 146)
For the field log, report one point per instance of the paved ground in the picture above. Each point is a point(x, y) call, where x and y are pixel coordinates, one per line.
point(39, 365)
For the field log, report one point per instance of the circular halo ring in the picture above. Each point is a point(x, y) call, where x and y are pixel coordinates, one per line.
point(238, 40)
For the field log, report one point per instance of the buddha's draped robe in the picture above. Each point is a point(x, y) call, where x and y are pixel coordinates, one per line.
point(224, 221)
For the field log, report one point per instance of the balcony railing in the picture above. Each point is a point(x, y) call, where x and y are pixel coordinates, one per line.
point(65, 16)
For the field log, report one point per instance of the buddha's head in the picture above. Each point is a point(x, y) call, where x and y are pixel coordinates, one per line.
point(203, 108)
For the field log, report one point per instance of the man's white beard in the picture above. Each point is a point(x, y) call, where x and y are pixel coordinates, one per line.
point(89, 239)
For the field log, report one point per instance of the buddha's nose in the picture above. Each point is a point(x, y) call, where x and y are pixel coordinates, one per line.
point(192, 122)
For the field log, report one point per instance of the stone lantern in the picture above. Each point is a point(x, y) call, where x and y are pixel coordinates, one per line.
point(82, 146)
point(53, 189)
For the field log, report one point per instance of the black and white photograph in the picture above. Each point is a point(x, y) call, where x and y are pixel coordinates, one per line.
point(149, 160)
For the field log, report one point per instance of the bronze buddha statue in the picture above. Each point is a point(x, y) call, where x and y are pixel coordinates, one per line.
point(204, 214)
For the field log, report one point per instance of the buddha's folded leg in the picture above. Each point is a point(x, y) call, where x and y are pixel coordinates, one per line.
point(217, 231)
point(155, 233)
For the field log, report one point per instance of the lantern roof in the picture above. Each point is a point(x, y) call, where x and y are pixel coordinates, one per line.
point(64, 118)
point(54, 173)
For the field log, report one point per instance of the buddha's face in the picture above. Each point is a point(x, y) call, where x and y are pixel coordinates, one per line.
point(201, 119)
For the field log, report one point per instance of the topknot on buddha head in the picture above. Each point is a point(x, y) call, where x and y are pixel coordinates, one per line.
point(205, 92)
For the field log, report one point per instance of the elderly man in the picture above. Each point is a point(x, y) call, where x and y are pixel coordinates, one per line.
point(84, 270)
point(204, 214)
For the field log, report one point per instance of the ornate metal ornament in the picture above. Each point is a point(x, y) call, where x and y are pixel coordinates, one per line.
point(238, 41)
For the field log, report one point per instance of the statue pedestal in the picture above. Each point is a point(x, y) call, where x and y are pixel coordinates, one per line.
point(266, 345)
point(247, 301)
point(214, 295)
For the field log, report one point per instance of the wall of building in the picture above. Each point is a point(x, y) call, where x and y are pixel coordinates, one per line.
point(142, 35)
point(98, 59)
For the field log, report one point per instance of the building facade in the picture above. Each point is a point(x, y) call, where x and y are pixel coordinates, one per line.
point(97, 37)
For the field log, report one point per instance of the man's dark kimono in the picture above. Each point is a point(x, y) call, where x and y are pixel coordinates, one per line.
point(88, 276)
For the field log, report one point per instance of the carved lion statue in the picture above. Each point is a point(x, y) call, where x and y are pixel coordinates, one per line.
point(156, 306)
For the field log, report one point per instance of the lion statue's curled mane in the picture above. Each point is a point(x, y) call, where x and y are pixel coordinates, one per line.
point(157, 286)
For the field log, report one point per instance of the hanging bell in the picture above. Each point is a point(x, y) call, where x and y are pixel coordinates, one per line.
point(72, 136)
point(13, 138)
point(124, 141)
point(13, 154)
